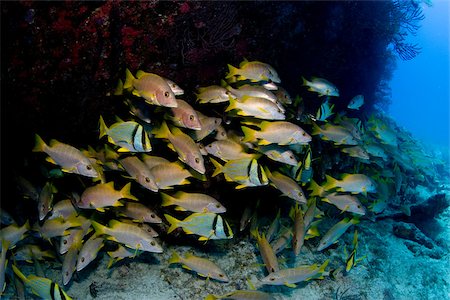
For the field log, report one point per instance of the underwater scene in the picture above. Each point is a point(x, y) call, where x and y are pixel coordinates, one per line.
point(223, 150)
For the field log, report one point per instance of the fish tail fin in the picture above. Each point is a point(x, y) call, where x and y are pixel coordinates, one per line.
point(354, 220)
point(175, 258)
point(99, 228)
point(167, 200)
point(128, 80)
point(323, 266)
point(110, 262)
point(331, 182)
point(232, 71)
point(162, 132)
point(211, 297)
point(219, 167)
point(233, 104)
point(316, 129)
point(315, 188)
point(249, 134)
point(103, 127)
point(119, 88)
point(304, 81)
point(173, 223)
point(40, 144)
point(126, 192)
point(19, 273)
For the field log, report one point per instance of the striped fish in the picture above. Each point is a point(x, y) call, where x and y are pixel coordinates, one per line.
point(324, 112)
point(130, 136)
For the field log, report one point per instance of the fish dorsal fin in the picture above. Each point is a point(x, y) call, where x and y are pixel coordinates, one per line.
point(140, 74)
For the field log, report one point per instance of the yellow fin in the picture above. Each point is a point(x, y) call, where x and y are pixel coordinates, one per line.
point(291, 285)
point(50, 160)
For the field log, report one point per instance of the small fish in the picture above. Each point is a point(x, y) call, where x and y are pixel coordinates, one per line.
point(214, 94)
point(242, 295)
point(45, 202)
point(74, 237)
point(321, 86)
point(153, 88)
point(291, 276)
point(337, 134)
point(139, 109)
point(256, 107)
point(30, 252)
point(89, 251)
point(26, 188)
point(245, 171)
point(286, 185)
point(63, 209)
point(129, 136)
point(130, 235)
point(345, 202)
point(227, 150)
point(283, 96)
point(201, 266)
point(69, 158)
point(221, 133)
point(69, 264)
point(282, 241)
point(304, 172)
point(104, 195)
point(194, 202)
point(279, 154)
point(351, 260)
point(139, 172)
point(273, 228)
point(353, 183)
point(376, 151)
point(206, 225)
point(246, 217)
point(356, 151)
point(298, 238)
point(42, 287)
point(57, 227)
point(324, 112)
point(279, 132)
point(121, 253)
point(139, 213)
point(253, 91)
point(167, 175)
point(176, 89)
point(356, 102)
point(267, 253)
point(184, 116)
point(254, 71)
point(188, 151)
point(335, 232)
point(12, 234)
point(209, 124)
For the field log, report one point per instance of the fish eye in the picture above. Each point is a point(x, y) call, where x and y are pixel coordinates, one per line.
point(304, 133)
point(82, 259)
point(291, 157)
point(166, 94)
point(217, 205)
point(216, 121)
point(89, 167)
point(64, 242)
point(152, 243)
point(221, 275)
point(272, 270)
point(67, 273)
point(300, 194)
point(153, 216)
point(147, 179)
point(223, 133)
point(191, 117)
point(359, 206)
point(197, 160)
point(272, 279)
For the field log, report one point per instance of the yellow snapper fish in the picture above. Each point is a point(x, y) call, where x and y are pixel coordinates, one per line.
point(279, 132)
point(289, 277)
point(45, 202)
point(62, 209)
point(170, 174)
point(69, 264)
point(176, 89)
point(184, 116)
point(130, 235)
point(321, 86)
point(139, 213)
point(245, 171)
point(153, 88)
point(335, 232)
point(228, 150)
point(209, 124)
point(356, 151)
point(69, 158)
point(138, 171)
point(26, 188)
point(356, 102)
point(75, 235)
point(353, 183)
point(278, 153)
point(260, 108)
point(268, 255)
point(89, 251)
point(121, 253)
point(187, 149)
point(254, 71)
point(286, 185)
point(273, 228)
point(345, 203)
point(144, 226)
point(242, 295)
point(298, 238)
point(253, 91)
point(214, 94)
point(221, 133)
point(57, 227)
point(42, 287)
point(130, 136)
point(337, 134)
point(104, 195)
point(201, 266)
point(283, 96)
point(316, 190)
point(194, 202)
point(282, 241)
point(206, 225)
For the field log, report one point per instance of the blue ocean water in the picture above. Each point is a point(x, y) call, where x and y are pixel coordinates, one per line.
point(420, 87)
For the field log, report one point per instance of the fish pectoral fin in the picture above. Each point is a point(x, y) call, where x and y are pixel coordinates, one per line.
point(100, 209)
point(50, 160)
point(122, 149)
point(188, 231)
point(203, 238)
point(136, 93)
point(240, 186)
point(179, 208)
point(186, 267)
point(291, 285)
